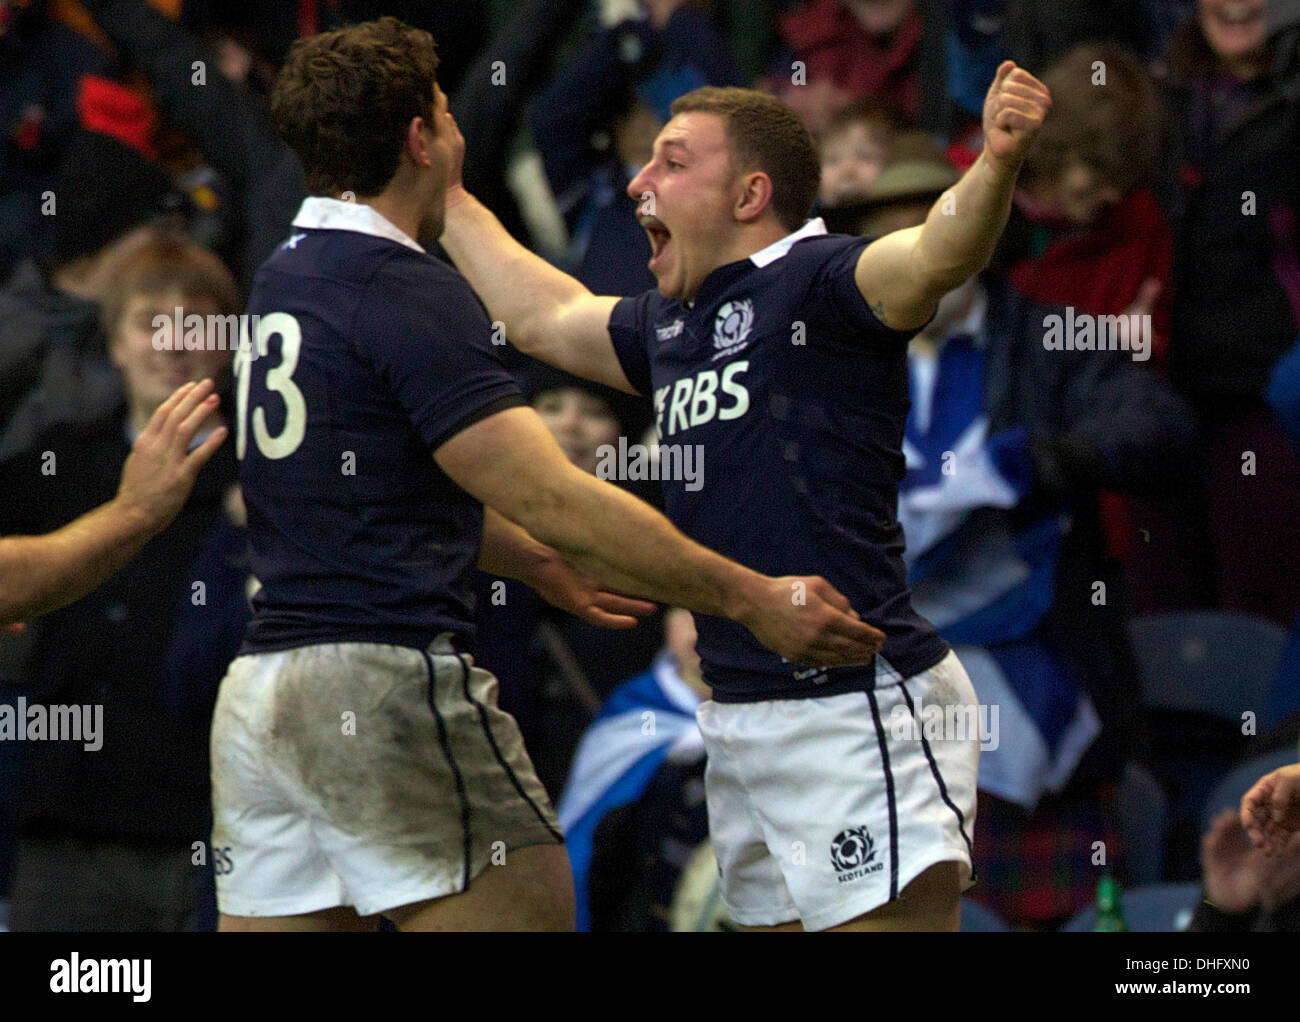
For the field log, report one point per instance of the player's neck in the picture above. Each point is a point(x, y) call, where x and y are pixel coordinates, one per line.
point(756, 237)
point(399, 210)
point(746, 241)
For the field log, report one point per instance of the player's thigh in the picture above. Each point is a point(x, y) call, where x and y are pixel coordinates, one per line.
point(331, 920)
point(931, 902)
point(531, 890)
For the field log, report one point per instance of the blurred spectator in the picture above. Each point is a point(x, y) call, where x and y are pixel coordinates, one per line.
point(42, 63)
point(633, 809)
point(111, 831)
point(1007, 446)
point(1035, 34)
point(1086, 231)
point(52, 362)
point(854, 150)
point(595, 124)
point(848, 49)
point(903, 192)
point(229, 126)
point(555, 670)
point(1231, 539)
point(1244, 887)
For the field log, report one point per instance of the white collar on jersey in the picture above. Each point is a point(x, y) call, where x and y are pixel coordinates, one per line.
point(322, 213)
point(777, 249)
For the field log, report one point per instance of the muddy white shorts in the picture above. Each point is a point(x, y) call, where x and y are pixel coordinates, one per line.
point(823, 809)
point(364, 774)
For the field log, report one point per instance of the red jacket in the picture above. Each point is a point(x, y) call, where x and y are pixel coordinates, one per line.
point(1099, 272)
point(832, 43)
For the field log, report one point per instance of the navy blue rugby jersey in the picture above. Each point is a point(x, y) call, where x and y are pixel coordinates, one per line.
point(795, 395)
point(367, 355)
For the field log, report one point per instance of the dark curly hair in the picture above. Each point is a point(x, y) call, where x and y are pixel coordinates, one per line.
point(344, 99)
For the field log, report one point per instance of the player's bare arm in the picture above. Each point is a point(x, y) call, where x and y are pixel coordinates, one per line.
point(39, 574)
point(903, 275)
point(547, 313)
point(512, 463)
point(509, 551)
point(1270, 811)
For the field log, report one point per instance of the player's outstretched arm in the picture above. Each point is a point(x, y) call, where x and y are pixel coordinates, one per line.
point(508, 550)
point(546, 313)
point(903, 275)
point(39, 574)
point(511, 462)
point(1270, 811)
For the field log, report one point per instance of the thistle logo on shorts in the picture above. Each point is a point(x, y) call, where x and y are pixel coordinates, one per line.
point(853, 854)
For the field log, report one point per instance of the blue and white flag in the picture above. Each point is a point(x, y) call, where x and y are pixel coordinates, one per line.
point(646, 721)
point(985, 583)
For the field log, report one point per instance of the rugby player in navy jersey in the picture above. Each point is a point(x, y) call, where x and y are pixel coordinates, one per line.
point(781, 352)
point(360, 764)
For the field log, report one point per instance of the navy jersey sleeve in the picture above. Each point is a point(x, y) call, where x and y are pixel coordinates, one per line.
point(629, 325)
point(837, 302)
point(422, 328)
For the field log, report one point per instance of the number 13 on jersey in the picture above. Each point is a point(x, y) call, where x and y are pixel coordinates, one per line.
point(279, 380)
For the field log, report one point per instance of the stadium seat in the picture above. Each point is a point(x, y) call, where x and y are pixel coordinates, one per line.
point(1155, 908)
point(1200, 672)
point(1228, 792)
point(977, 918)
point(1215, 662)
point(1143, 809)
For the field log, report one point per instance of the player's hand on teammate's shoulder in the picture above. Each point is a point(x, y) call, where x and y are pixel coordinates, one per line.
point(1270, 811)
point(564, 586)
point(808, 621)
point(1014, 109)
point(161, 469)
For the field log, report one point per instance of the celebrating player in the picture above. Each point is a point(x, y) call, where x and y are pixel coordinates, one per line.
point(360, 764)
point(781, 351)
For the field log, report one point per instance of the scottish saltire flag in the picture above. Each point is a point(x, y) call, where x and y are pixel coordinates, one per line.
point(984, 583)
point(645, 722)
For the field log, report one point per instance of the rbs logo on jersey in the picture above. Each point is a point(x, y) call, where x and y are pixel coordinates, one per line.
point(701, 398)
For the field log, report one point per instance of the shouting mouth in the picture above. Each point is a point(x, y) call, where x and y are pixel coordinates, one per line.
point(660, 238)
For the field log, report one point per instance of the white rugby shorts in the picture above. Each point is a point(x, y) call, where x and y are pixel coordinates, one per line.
point(364, 774)
point(823, 809)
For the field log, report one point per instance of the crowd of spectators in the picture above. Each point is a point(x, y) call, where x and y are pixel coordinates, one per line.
point(1052, 494)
